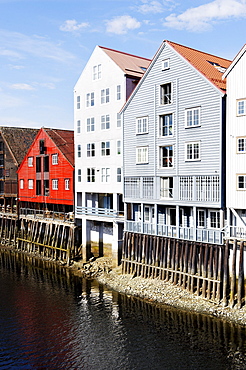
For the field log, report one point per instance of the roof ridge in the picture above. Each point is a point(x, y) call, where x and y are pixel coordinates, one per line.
point(200, 51)
point(122, 52)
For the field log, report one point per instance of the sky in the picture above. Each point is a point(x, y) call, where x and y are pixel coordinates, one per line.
point(45, 44)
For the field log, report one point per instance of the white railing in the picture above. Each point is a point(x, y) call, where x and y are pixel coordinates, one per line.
point(93, 211)
point(186, 233)
point(37, 213)
point(237, 232)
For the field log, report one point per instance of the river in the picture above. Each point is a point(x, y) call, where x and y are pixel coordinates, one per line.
point(51, 319)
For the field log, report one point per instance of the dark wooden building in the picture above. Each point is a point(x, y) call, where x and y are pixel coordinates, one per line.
point(14, 144)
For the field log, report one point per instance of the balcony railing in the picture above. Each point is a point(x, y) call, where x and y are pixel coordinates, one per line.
point(237, 232)
point(45, 214)
point(186, 233)
point(103, 212)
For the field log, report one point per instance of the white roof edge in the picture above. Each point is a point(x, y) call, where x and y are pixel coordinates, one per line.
point(234, 62)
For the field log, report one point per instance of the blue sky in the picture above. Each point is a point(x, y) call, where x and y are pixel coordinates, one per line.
point(45, 44)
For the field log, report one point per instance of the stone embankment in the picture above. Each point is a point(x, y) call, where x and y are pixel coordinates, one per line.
point(157, 291)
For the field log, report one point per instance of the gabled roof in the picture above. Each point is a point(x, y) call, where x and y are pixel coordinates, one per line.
point(18, 141)
point(211, 66)
point(64, 141)
point(235, 60)
point(132, 65)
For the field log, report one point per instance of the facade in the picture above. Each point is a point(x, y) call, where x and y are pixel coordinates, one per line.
point(174, 153)
point(14, 143)
point(106, 82)
point(236, 146)
point(46, 173)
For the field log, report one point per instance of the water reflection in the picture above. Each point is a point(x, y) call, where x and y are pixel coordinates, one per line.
point(51, 319)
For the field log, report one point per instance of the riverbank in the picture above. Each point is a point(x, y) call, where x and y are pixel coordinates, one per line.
point(157, 291)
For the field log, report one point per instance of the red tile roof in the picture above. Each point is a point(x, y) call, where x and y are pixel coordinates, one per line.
point(64, 140)
point(132, 65)
point(211, 66)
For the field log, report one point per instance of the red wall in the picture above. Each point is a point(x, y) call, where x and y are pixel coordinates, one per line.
point(63, 170)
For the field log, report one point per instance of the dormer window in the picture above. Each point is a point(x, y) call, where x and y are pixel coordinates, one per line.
point(217, 66)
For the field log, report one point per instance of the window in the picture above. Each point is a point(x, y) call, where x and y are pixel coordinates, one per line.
point(201, 218)
point(241, 145)
point(79, 175)
point(97, 72)
point(54, 159)
point(38, 187)
point(118, 120)
point(166, 94)
point(166, 156)
point(79, 151)
point(105, 174)
point(165, 64)
point(41, 147)
point(166, 187)
point(214, 217)
point(90, 174)
point(118, 174)
point(104, 96)
point(78, 102)
point(192, 151)
point(54, 184)
point(118, 146)
point(192, 117)
point(166, 125)
point(21, 183)
point(91, 150)
point(46, 188)
point(118, 92)
point(30, 161)
point(67, 184)
point(38, 164)
point(241, 182)
point(90, 101)
point(78, 127)
point(142, 155)
point(105, 148)
point(105, 122)
point(241, 107)
point(90, 124)
point(142, 125)
point(46, 163)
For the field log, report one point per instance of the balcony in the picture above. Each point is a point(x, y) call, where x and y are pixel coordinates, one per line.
point(187, 233)
point(98, 212)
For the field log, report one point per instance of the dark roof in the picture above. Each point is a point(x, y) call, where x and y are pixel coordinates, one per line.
point(64, 140)
point(18, 141)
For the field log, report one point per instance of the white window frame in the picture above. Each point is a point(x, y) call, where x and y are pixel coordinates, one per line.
point(91, 150)
point(78, 102)
point(118, 120)
point(21, 184)
point(165, 64)
point(105, 96)
point(30, 161)
point(79, 150)
point(243, 112)
point(119, 172)
point(90, 99)
point(30, 184)
point(169, 126)
point(243, 145)
point(79, 175)
point(217, 219)
point(97, 72)
point(105, 122)
point(166, 187)
point(78, 126)
point(54, 184)
point(90, 124)
point(67, 184)
point(105, 174)
point(242, 178)
point(142, 155)
point(118, 92)
point(193, 145)
point(169, 158)
point(105, 148)
point(142, 124)
point(201, 218)
point(118, 147)
point(54, 158)
point(90, 174)
point(191, 115)
point(168, 97)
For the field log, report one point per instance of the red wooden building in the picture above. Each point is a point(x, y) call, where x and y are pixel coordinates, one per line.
point(45, 177)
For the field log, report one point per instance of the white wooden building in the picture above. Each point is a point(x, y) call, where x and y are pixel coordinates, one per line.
point(106, 82)
point(174, 152)
point(236, 146)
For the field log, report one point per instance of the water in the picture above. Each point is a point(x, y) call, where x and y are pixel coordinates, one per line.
point(50, 319)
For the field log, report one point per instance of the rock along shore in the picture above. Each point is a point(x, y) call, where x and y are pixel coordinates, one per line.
point(156, 291)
